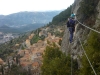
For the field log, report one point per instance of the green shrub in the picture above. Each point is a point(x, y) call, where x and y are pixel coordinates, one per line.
point(92, 48)
point(88, 7)
point(57, 63)
point(34, 39)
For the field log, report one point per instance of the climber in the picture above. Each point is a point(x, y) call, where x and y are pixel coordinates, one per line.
point(71, 26)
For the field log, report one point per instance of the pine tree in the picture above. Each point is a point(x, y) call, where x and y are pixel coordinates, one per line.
point(92, 48)
point(55, 62)
point(9, 64)
point(2, 69)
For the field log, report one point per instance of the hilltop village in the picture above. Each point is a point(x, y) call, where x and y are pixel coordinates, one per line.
point(30, 58)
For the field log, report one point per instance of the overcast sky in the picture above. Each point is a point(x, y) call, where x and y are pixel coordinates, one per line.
point(13, 6)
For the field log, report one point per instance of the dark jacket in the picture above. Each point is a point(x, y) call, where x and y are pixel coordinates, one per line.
point(71, 22)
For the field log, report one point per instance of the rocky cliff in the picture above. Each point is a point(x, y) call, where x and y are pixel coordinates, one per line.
point(81, 32)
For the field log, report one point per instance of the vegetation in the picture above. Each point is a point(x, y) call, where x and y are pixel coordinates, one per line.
point(60, 41)
point(59, 34)
point(17, 70)
point(56, 63)
point(34, 39)
point(63, 16)
point(92, 48)
point(9, 47)
point(88, 7)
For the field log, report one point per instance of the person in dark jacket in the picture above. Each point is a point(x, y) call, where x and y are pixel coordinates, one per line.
point(71, 26)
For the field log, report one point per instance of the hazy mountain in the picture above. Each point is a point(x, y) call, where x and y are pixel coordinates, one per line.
point(6, 29)
point(26, 28)
point(30, 27)
point(25, 18)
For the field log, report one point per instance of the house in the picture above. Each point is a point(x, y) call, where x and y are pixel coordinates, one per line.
point(1, 61)
point(27, 42)
point(31, 36)
point(35, 65)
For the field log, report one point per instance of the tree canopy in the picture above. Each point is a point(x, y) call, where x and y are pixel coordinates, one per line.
point(92, 48)
point(56, 63)
point(63, 16)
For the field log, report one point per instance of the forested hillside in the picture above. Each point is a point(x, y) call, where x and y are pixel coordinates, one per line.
point(63, 16)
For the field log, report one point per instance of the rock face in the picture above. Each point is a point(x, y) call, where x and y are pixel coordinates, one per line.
point(97, 24)
point(76, 6)
point(80, 32)
point(66, 46)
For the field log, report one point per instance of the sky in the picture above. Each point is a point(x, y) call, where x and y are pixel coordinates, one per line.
point(14, 6)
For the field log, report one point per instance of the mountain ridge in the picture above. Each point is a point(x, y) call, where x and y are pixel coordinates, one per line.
point(21, 18)
point(25, 21)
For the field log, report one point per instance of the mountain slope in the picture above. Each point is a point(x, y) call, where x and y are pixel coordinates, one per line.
point(88, 13)
point(24, 18)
